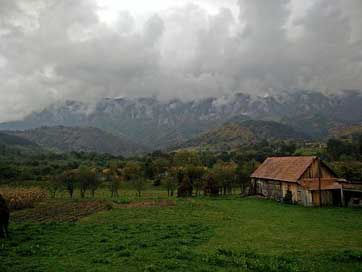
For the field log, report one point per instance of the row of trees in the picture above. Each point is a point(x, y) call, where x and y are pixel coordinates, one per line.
point(185, 174)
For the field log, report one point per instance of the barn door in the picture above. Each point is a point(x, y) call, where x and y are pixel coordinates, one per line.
point(315, 198)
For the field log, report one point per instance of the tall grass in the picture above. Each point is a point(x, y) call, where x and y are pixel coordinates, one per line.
point(22, 198)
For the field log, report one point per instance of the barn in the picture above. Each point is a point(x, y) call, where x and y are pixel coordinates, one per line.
point(309, 180)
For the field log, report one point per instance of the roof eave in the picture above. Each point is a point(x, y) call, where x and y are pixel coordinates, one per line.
point(269, 178)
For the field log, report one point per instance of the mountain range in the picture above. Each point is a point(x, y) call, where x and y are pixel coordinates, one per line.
point(154, 124)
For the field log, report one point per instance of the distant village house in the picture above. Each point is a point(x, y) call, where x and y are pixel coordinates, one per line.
point(307, 179)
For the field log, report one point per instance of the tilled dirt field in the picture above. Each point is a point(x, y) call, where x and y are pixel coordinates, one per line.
point(60, 211)
point(71, 211)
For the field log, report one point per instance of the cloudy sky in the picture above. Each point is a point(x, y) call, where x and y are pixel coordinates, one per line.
point(53, 50)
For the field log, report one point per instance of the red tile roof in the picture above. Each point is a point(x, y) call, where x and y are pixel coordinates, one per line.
point(283, 168)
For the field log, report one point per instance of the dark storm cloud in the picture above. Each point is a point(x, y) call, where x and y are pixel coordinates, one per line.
point(56, 50)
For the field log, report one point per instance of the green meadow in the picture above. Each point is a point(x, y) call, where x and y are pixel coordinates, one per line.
point(195, 234)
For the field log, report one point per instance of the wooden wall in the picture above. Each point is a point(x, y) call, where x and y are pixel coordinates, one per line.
point(312, 171)
point(274, 189)
point(269, 188)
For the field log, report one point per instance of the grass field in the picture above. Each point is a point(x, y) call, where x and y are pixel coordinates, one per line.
point(199, 234)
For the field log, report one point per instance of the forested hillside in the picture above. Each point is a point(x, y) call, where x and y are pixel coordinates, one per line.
point(87, 139)
point(236, 133)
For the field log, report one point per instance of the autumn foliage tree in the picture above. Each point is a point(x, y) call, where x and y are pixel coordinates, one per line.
point(134, 173)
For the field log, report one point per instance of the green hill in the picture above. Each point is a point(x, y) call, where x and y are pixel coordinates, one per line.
point(245, 132)
point(14, 146)
point(346, 131)
point(87, 139)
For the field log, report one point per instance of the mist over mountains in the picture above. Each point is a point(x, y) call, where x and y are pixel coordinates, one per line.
point(158, 125)
point(86, 50)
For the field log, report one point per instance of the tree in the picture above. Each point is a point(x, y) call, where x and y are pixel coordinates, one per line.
point(69, 179)
point(195, 174)
point(210, 185)
point(55, 184)
point(149, 169)
point(133, 172)
point(114, 177)
point(183, 158)
point(336, 148)
point(160, 166)
point(139, 184)
point(8, 171)
point(170, 184)
point(243, 172)
point(70, 187)
point(225, 173)
point(185, 187)
point(87, 179)
point(93, 181)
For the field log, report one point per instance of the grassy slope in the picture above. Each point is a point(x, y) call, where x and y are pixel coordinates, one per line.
point(195, 235)
point(237, 133)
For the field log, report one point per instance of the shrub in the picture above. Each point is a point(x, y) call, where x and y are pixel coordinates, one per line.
point(185, 188)
point(288, 198)
point(22, 198)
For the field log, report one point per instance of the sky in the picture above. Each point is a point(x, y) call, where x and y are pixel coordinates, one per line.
point(54, 50)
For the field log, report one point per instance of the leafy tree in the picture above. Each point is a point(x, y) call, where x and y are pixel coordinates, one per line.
point(170, 184)
point(243, 172)
point(336, 148)
point(185, 187)
point(195, 174)
point(93, 181)
point(114, 177)
point(70, 186)
point(207, 158)
point(133, 172)
point(225, 173)
point(160, 166)
point(86, 179)
point(149, 169)
point(55, 184)
point(8, 172)
point(139, 184)
point(183, 158)
point(210, 184)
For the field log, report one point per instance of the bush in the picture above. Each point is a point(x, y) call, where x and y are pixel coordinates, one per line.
point(288, 198)
point(22, 198)
point(185, 188)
